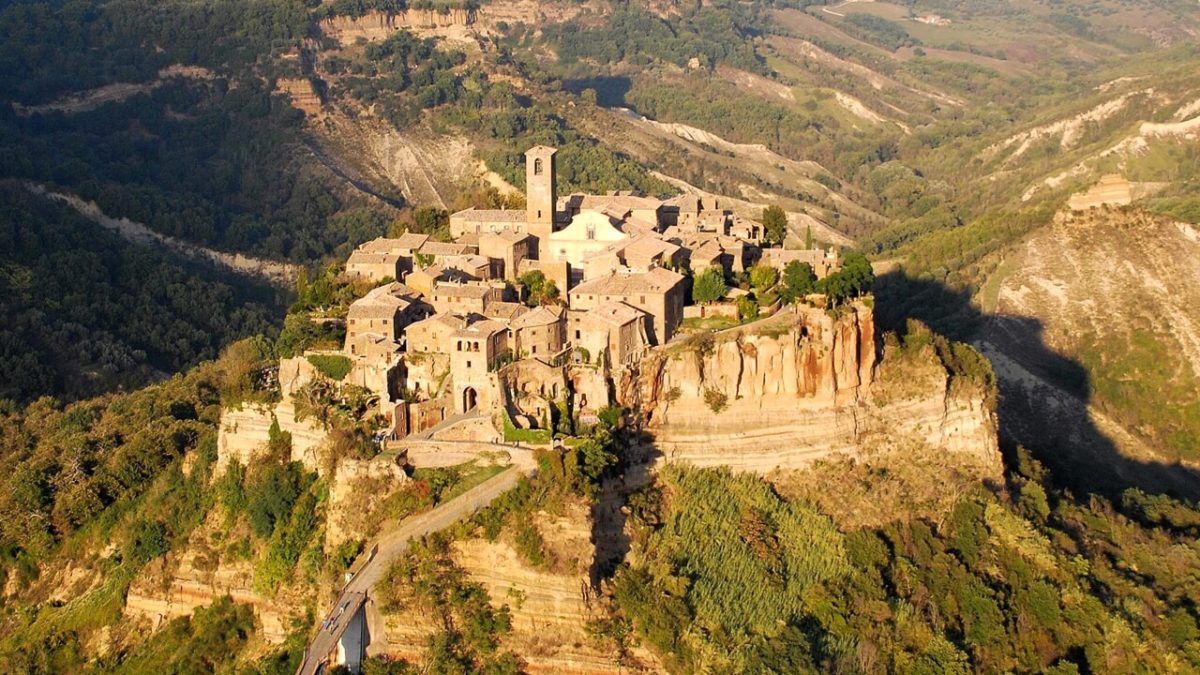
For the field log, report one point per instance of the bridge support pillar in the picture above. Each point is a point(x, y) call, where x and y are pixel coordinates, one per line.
point(353, 644)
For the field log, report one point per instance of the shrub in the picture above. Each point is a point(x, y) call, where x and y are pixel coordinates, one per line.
point(716, 400)
point(763, 277)
point(333, 366)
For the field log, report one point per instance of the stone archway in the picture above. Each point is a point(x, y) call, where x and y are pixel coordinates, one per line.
point(469, 399)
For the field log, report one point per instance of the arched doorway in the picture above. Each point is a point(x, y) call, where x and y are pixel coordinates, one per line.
point(469, 399)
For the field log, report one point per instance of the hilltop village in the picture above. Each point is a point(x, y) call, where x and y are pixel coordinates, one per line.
point(439, 336)
point(455, 328)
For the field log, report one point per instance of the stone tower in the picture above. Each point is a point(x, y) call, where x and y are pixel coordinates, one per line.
point(541, 193)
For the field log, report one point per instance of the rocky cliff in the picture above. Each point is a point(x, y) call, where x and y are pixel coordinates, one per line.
point(379, 25)
point(799, 387)
point(550, 608)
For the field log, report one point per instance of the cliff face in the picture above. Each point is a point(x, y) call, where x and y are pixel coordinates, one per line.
point(379, 25)
point(550, 608)
point(801, 387)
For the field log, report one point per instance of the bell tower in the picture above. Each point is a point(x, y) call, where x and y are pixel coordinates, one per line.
point(541, 195)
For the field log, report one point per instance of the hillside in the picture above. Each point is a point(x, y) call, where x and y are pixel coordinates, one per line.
point(1112, 291)
point(989, 465)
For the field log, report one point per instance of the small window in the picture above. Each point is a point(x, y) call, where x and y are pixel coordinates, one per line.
point(641, 299)
point(468, 364)
point(578, 335)
point(534, 349)
point(537, 171)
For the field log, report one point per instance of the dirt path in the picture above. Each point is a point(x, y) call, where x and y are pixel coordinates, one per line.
point(276, 273)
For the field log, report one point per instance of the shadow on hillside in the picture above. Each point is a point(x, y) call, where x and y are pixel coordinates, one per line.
point(1043, 395)
point(610, 89)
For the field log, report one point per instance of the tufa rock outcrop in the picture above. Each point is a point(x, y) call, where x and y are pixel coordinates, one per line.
point(802, 386)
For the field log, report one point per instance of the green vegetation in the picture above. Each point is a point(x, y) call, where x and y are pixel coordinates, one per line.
point(854, 279)
point(763, 277)
point(211, 160)
point(333, 366)
point(200, 643)
point(878, 30)
point(734, 568)
point(710, 35)
point(798, 281)
point(709, 286)
point(105, 470)
point(774, 220)
point(85, 313)
point(737, 578)
point(532, 436)
point(542, 291)
point(473, 629)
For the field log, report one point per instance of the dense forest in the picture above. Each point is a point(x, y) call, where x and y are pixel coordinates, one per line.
point(85, 312)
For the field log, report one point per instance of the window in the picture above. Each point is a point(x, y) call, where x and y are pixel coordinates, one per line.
point(591, 231)
point(468, 364)
point(537, 171)
point(641, 299)
point(533, 349)
point(578, 335)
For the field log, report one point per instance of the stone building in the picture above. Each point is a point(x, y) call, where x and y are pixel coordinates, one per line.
point(822, 261)
point(538, 218)
point(538, 333)
point(611, 332)
point(423, 279)
point(465, 297)
point(476, 353)
point(659, 292)
point(479, 221)
point(509, 249)
point(589, 233)
point(386, 311)
point(384, 258)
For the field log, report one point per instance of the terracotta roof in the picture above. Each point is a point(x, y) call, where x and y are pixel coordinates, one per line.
point(650, 246)
point(468, 261)
point(616, 313)
point(621, 282)
point(616, 202)
point(402, 244)
point(478, 325)
point(448, 320)
point(382, 306)
point(361, 257)
point(505, 311)
point(475, 215)
point(461, 290)
point(542, 316)
point(709, 250)
point(509, 236)
point(445, 248)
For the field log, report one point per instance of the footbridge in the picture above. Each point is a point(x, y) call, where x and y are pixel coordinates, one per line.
point(344, 628)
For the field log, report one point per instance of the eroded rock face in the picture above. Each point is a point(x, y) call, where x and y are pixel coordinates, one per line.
point(379, 25)
point(550, 608)
point(781, 394)
point(358, 486)
point(244, 434)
